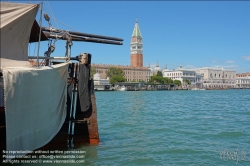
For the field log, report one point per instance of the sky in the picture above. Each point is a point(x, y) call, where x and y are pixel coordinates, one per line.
point(193, 34)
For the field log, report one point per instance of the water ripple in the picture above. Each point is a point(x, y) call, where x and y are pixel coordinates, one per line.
point(170, 127)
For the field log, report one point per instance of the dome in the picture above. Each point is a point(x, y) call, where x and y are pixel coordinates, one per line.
point(157, 68)
point(165, 70)
point(180, 68)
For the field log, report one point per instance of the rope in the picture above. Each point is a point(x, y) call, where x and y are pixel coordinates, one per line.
point(48, 6)
point(64, 24)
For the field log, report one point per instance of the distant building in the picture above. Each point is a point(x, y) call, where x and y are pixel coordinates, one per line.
point(213, 78)
point(181, 74)
point(136, 48)
point(131, 73)
point(99, 81)
point(156, 69)
point(217, 77)
point(136, 71)
point(243, 80)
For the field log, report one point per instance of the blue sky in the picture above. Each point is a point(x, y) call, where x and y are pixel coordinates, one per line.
point(192, 34)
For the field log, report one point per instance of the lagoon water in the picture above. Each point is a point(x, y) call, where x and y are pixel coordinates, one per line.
point(172, 128)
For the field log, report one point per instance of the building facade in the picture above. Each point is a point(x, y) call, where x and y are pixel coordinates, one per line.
point(213, 78)
point(131, 73)
point(243, 80)
point(217, 78)
point(99, 81)
point(136, 71)
point(181, 74)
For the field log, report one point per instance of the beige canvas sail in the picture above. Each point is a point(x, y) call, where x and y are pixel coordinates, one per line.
point(16, 22)
point(34, 98)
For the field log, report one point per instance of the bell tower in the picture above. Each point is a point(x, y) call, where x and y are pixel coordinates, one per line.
point(136, 47)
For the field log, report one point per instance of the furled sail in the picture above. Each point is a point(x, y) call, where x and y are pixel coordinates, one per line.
point(16, 22)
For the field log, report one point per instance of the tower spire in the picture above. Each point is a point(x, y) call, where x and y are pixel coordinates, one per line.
point(136, 31)
point(136, 47)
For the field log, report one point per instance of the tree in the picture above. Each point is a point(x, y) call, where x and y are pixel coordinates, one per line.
point(92, 71)
point(116, 75)
point(160, 80)
point(187, 81)
point(114, 71)
point(117, 78)
point(177, 82)
point(156, 79)
point(159, 73)
point(168, 80)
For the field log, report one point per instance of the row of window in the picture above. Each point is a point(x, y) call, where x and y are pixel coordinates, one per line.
point(220, 75)
point(218, 82)
point(180, 74)
point(243, 81)
point(217, 86)
point(243, 75)
point(101, 71)
point(126, 72)
point(134, 77)
point(138, 47)
point(139, 73)
point(136, 80)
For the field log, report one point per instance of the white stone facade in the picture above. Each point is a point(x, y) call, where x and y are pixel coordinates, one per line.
point(182, 74)
point(99, 81)
point(216, 78)
point(243, 80)
point(211, 78)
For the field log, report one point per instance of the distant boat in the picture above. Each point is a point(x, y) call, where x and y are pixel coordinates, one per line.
point(122, 88)
point(103, 88)
point(197, 89)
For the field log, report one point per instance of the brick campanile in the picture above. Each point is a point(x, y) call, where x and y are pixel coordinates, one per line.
point(136, 47)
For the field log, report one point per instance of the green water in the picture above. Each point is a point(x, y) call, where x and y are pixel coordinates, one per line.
point(172, 128)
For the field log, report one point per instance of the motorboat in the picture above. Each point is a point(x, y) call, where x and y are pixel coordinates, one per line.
point(122, 88)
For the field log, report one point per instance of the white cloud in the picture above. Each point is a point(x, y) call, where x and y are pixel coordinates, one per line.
point(189, 67)
point(234, 67)
point(216, 66)
point(215, 61)
point(227, 67)
point(229, 61)
point(246, 58)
